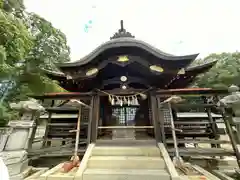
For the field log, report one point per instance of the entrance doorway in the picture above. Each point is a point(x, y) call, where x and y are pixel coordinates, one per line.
point(116, 121)
point(125, 116)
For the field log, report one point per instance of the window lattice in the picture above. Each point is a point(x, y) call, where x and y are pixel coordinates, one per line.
point(84, 114)
point(130, 115)
point(166, 116)
point(120, 115)
point(125, 115)
point(150, 114)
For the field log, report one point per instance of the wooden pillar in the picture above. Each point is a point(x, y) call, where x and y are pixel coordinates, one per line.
point(95, 118)
point(90, 121)
point(230, 131)
point(45, 141)
point(156, 123)
point(33, 130)
point(161, 121)
point(212, 123)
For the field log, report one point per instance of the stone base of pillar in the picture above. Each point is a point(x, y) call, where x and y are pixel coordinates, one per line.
point(123, 134)
point(17, 177)
point(16, 162)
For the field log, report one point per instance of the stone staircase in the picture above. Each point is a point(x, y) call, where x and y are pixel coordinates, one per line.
point(126, 163)
point(119, 161)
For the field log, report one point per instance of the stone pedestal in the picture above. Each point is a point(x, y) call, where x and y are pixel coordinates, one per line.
point(16, 161)
point(236, 121)
point(123, 134)
point(4, 134)
point(13, 146)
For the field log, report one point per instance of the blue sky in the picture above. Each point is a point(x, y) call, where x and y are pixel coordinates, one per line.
point(175, 26)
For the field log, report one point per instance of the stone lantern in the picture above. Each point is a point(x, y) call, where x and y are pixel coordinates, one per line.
point(15, 141)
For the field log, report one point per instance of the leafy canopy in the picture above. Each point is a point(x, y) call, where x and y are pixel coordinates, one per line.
point(225, 73)
point(28, 44)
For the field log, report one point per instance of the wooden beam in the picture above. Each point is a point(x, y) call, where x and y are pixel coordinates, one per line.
point(60, 109)
point(193, 105)
point(64, 95)
point(118, 92)
point(191, 91)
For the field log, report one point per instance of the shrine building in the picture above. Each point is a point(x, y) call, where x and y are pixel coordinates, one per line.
point(122, 80)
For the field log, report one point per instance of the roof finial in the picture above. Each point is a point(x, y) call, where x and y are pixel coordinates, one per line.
point(121, 24)
point(122, 33)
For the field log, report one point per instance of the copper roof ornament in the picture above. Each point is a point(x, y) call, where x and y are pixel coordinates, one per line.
point(122, 33)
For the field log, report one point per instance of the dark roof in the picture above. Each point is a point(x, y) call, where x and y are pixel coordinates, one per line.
point(122, 43)
point(126, 43)
point(181, 81)
point(199, 69)
point(163, 81)
point(141, 56)
point(202, 66)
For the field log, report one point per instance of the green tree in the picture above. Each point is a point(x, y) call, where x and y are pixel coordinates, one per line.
point(49, 47)
point(15, 44)
point(28, 44)
point(50, 44)
point(225, 73)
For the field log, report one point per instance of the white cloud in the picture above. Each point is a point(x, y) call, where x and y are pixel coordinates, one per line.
point(174, 26)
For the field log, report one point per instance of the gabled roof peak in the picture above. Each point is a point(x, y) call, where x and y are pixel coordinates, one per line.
point(122, 32)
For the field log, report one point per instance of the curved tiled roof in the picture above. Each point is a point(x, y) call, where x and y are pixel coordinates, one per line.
point(124, 39)
point(126, 42)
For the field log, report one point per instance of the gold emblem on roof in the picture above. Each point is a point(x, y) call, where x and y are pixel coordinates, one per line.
point(123, 59)
point(181, 71)
point(156, 68)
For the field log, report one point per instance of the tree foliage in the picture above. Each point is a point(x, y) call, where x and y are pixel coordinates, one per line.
point(50, 45)
point(28, 45)
point(15, 43)
point(225, 73)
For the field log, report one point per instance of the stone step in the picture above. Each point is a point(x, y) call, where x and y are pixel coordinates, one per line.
point(126, 162)
point(125, 174)
point(126, 142)
point(126, 151)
